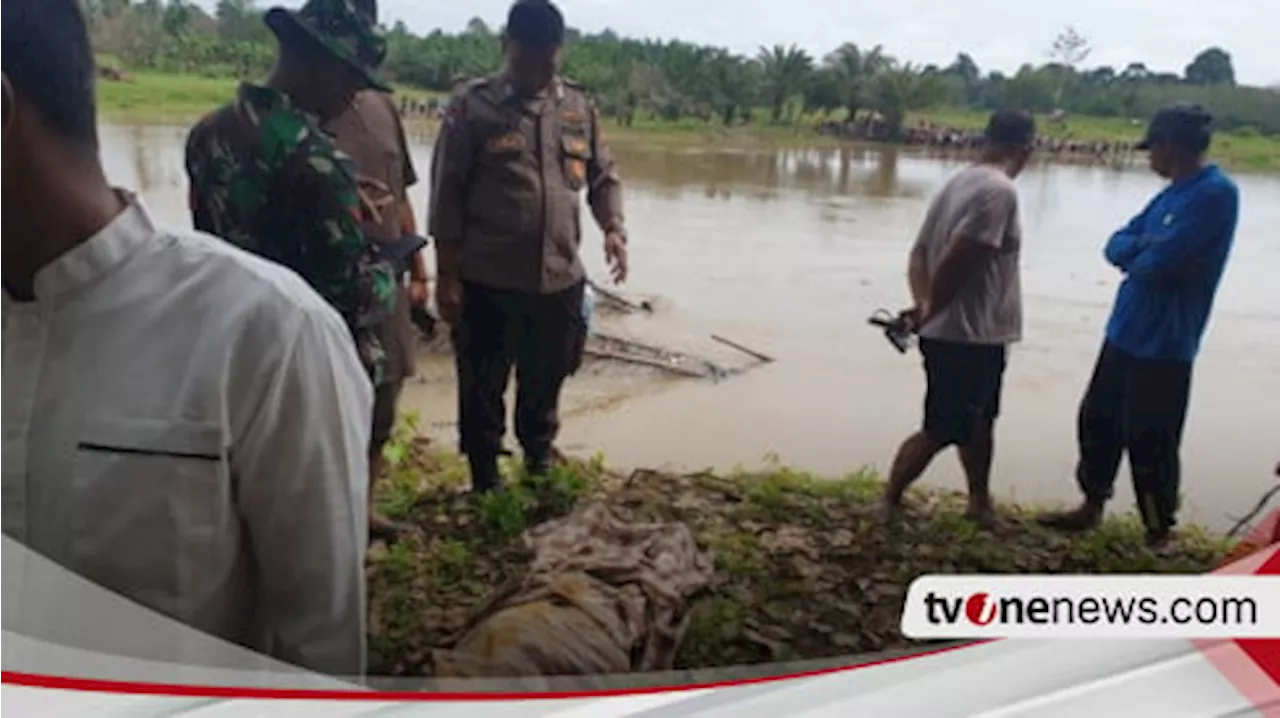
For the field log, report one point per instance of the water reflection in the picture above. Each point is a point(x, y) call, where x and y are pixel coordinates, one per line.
point(767, 175)
point(150, 160)
point(832, 209)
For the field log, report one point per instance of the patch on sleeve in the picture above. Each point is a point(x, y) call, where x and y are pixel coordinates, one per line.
point(455, 113)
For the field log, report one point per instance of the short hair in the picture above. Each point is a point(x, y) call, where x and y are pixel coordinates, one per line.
point(49, 63)
point(1011, 129)
point(535, 24)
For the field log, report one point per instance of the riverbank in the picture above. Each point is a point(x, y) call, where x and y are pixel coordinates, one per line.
point(804, 569)
point(153, 98)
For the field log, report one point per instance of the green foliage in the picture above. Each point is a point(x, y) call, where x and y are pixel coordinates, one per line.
point(502, 513)
point(1211, 67)
point(679, 83)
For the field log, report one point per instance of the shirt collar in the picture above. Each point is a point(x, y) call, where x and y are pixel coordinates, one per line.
point(99, 255)
point(554, 91)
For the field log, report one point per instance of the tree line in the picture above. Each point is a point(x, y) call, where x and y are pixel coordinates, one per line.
point(681, 81)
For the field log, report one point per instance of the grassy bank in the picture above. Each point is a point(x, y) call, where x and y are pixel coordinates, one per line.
point(803, 568)
point(151, 98)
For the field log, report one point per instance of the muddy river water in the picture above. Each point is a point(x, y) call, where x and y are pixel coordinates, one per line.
point(789, 251)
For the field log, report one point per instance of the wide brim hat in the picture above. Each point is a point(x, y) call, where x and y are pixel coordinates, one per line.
point(347, 34)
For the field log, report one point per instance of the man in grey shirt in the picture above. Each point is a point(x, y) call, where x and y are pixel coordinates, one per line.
point(968, 307)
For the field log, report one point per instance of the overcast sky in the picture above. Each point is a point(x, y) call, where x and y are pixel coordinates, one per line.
point(999, 34)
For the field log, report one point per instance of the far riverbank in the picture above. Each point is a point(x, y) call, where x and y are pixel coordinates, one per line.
point(161, 99)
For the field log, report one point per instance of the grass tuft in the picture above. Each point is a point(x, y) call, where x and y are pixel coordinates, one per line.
point(803, 567)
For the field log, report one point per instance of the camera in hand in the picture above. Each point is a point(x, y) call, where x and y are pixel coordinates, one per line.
point(896, 329)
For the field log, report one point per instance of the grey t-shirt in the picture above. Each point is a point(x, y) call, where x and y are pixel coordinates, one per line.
point(979, 204)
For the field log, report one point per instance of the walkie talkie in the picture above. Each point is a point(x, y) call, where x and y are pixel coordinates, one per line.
point(895, 329)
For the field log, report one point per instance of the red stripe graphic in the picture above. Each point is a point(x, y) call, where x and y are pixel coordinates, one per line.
point(1253, 665)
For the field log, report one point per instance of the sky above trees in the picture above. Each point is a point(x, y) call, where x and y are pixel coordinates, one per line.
point(999, 34)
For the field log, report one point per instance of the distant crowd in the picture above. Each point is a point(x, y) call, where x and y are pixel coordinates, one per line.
point(418, 107)
point(874, 128)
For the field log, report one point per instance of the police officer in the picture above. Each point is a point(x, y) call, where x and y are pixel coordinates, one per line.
point(514, 153)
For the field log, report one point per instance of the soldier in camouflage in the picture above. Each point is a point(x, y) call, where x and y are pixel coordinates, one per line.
point(266, 178)
point(514, 155)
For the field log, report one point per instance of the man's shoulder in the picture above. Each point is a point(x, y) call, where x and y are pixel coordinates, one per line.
point(374, 104)
point(212, 125)
point(577, 91)
point(574, 86)
point(983, 181)
point(237, 282)
point(488, 89)
point(1220, 184)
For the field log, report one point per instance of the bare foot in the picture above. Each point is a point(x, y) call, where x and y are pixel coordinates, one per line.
point(384, 529)
point(984, 515)
point(891, 513)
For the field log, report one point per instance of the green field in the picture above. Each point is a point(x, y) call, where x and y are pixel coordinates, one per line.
point(149, 98)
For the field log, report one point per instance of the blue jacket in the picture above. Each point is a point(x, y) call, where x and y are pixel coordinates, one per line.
point(1172, 254)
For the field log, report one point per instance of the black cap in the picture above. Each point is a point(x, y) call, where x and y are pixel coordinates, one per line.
point(535, 24)
point(1183, 125)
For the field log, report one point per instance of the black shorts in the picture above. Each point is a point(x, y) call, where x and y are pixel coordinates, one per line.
point(964, 382)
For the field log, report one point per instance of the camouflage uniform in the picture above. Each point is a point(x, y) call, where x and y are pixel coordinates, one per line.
point(266, 178)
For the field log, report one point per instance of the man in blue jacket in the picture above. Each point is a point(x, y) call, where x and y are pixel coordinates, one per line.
point(1172, 256)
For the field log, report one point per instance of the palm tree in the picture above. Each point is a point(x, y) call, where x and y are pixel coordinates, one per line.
point(857, 71)
point(899, 90)
point(785, 72)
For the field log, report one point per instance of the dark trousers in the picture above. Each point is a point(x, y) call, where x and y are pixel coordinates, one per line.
point(1137, 406)
point(542, 336)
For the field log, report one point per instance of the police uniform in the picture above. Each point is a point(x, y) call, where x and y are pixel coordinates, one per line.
point(508, 175)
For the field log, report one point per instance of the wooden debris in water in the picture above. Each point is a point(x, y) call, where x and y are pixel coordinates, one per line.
point(750, 352)
point(612, 347)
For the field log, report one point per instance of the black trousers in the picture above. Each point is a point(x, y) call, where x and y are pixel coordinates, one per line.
point(1136, 406)
point(542, 336)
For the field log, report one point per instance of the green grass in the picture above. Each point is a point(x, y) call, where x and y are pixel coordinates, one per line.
point(154, 98)
point(151, 98)
point(157, 98)
point(804, 568)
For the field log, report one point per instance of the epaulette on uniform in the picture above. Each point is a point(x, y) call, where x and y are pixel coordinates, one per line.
point(475, 84)
point(456, 105)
